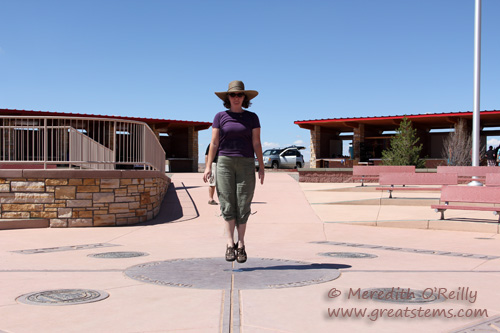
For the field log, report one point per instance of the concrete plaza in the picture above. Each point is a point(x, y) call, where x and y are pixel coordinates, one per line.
point(322, 258)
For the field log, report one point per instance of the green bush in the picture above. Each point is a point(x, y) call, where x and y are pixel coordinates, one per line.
point(404, 149)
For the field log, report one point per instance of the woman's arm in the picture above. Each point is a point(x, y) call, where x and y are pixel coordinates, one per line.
point(214, 146)
point(257, 148)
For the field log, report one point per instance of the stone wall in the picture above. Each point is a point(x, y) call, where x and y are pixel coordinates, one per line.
point(82, 198)
point(326, 175)
point(338, 175)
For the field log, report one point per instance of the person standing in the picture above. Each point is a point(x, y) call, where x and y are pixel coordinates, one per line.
point(212, 180)
point(491, 156)
point(236, 137)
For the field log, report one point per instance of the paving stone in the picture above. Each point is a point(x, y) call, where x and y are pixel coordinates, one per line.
point(348, 255)
point(421, 251)
point(118, 255)
point(64, 248)
point(63, 297)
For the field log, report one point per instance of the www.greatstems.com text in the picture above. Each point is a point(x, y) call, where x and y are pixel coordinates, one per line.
point(460, 294)
point(411, 313)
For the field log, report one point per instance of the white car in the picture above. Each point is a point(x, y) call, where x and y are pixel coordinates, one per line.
point(289, 157)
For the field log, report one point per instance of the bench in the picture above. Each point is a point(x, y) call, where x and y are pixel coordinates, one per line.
point(467, 173)
point(372, 172)
point(492, 179)
point(404, 179)
point(471, 197)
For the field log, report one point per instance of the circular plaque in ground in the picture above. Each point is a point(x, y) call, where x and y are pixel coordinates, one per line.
point(348, 255)
point(118, 255)
point(63, 297)
point(401, 295)
point(216, 273)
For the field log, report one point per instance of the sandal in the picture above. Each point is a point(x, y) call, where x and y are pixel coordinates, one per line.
point(230, 253)
point(212, 202)
point(241, 255)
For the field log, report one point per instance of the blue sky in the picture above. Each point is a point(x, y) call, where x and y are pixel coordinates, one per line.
point(308, 59)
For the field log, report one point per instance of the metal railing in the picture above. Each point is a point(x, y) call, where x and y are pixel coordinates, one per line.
point(86, 143)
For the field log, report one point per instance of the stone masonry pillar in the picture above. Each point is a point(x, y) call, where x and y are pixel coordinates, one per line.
point(315, 145)
point(358, 138)
point(193, 148)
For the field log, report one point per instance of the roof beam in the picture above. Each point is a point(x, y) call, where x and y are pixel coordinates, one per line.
point(452, 120)
point(306, 126)
point(350, 124)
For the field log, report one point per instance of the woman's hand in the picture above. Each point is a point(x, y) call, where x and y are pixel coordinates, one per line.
point(207, 174)
point(257, 147)
point(214, 144)
point(261, 175)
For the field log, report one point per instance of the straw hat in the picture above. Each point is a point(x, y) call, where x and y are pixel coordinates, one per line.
point(236, 87)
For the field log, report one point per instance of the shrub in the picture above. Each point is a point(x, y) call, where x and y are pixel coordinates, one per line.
point(404, 148)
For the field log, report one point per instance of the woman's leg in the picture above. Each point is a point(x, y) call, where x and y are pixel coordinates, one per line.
point(230, 226)
point(240, 253)
point(226, 187)
point(230, 247)
point(245, 187)
point(241, 235)
point(226, 191)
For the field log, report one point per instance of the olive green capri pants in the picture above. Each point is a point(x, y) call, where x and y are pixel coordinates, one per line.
point(235, 187)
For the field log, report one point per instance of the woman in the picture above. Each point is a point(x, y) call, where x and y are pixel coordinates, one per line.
point(236, 138)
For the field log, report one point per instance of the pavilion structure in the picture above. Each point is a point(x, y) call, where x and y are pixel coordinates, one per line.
point(178, 138)
point(369, 136)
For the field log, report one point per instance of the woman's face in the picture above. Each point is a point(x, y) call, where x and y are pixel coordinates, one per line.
point(236, 99)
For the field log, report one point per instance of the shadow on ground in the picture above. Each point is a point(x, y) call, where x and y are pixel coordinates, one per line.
point(171, 208)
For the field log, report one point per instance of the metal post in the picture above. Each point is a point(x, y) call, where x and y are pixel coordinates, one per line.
point(477, 88)
point(45, 144)
point(144, 145)
point(115, 144)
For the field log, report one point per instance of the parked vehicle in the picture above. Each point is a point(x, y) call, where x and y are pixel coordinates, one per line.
point(289, 157)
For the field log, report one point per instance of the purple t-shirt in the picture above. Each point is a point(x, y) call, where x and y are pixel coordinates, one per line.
point(235, 132)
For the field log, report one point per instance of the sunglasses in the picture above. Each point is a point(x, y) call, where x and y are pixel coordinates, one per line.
point(236, 94)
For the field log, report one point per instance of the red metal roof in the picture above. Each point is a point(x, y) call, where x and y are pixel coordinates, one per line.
point(429, 120)
point(199, 125)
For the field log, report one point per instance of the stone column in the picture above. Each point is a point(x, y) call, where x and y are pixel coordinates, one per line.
point(358, 138)
point(193, 148)
point(315, 145)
